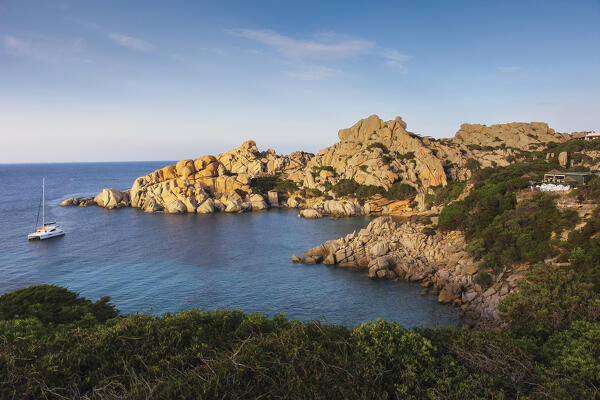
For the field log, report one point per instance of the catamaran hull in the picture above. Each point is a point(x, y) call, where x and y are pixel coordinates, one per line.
point(36, 236)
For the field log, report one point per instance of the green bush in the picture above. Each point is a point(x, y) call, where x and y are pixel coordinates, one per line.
point(472, 164)
point(406, 156)
point(401, 191)
point(229, 354)
point(264, 184)
point(445, 194)
point(551, 298)
point(345, 187)
point(377, 145)
point(52, 304)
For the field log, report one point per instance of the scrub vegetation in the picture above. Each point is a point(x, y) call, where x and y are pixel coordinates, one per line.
point(54, 344)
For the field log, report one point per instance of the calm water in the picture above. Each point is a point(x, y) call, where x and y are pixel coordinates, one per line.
point(168, 263)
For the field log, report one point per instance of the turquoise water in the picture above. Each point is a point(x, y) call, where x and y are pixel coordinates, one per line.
point(167, 263)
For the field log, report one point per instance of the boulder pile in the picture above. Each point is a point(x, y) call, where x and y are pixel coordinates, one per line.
point(391, 250)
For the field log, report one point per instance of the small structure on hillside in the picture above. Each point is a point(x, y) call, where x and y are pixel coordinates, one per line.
point(592, 136)
point(587, 136)
point(568, 178)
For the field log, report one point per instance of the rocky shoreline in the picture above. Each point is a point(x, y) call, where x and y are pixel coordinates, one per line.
point(371, 157)
point(393, 250)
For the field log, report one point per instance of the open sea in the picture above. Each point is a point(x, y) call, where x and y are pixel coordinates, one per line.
point(160, 263)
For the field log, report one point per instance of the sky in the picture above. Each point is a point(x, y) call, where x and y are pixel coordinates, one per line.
point(167, 80)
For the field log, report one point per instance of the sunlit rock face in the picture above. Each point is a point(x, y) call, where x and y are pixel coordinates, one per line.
point(371, 152)
point(376, 152)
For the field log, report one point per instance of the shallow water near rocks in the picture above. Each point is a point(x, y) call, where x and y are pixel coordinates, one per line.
point(161, 263)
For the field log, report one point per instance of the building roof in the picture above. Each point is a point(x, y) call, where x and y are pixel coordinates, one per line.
point(577, 173)
point(554, 171)
point(579, 135)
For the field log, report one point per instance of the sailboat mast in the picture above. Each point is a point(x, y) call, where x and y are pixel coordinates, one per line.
point(43, 201)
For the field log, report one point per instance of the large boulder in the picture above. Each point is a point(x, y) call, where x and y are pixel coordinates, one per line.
point(563, 159)
point(176, 207)
point(310, 213)
point(208, 207)
point(273, 198)
point(112, 198)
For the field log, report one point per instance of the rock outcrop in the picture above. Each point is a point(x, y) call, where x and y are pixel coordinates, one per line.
point(335, 208)
point(391, 250)
point(374, 152)
point(371, 152)
point(527, 136)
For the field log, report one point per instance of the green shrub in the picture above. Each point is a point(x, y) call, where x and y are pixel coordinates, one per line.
point(472, 164)
point(345, 187)
point(406, 156)
point(551, 298)
point(444, 194)
point(484, 279)
point(264, 184)
point(229, 354)
point(52, 304)
point(401, 191)
point(377, 145)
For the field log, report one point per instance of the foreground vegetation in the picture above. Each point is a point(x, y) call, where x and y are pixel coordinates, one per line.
point(54, 344)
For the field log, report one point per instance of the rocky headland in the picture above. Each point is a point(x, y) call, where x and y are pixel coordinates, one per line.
point(407, 250)
point(377, 168)
point(372, 153)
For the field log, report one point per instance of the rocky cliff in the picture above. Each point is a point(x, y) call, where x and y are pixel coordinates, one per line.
point(374, 152)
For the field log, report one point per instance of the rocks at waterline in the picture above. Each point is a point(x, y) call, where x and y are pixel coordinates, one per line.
point(390, 250)
point(310, 213)
point(78, 201)
point(334, 208)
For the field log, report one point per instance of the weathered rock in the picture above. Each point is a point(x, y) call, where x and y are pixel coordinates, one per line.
point(379, 249)
point(401, 250)
point(449, 293)
point(292, 202)
point(71, 201)
point(330, 259)
point(176, 207)
point(207, 207)
point(295, 259)
point(563, 159)
point(515, 134)
point(310, 213)
point(273, 198)
point(112, 198)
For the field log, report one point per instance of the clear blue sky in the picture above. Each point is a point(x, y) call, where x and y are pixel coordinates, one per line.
point(156, 80)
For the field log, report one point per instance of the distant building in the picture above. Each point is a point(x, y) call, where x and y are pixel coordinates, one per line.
point(568, 178)
point(587, 136)
point(592, 136)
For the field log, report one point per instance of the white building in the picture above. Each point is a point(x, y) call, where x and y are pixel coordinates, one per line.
point(592, 136)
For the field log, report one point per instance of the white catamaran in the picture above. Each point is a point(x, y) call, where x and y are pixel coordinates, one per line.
point(48, 229)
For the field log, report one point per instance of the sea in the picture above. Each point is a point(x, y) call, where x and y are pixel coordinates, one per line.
point(160, 263)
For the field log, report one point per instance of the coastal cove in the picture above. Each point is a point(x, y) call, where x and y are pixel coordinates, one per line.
point(168, 263)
